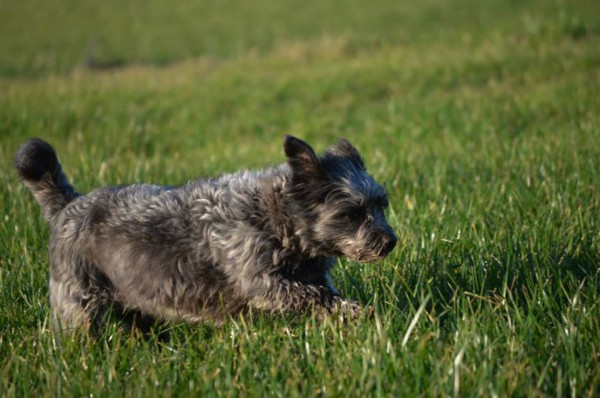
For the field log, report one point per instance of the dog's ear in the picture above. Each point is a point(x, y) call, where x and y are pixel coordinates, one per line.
point(345, 149)
point(301, 157)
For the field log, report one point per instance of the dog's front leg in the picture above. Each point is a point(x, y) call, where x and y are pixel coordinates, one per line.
point(280, 294)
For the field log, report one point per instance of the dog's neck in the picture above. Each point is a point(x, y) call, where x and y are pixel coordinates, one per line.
point(278, 210)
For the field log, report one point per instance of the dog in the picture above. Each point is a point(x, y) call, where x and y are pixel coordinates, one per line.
point(211, 248)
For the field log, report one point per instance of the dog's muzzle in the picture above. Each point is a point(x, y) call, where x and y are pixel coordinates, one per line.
point(389, 245)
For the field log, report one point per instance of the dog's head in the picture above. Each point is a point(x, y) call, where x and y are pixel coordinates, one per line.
point(340, 206)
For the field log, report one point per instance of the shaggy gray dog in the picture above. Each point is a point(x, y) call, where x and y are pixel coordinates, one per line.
point(252, 240)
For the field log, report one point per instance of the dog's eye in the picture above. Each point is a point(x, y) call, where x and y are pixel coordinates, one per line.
point(354, 214)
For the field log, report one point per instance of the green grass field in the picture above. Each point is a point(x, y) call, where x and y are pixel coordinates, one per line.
point(482, 118)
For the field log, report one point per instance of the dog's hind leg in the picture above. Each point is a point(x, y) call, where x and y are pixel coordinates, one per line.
point(68, 311)
point(80, 297)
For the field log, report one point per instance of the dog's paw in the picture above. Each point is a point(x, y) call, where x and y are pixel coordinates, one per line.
point(348, 310)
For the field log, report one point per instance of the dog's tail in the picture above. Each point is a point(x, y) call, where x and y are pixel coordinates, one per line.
point(38, 167)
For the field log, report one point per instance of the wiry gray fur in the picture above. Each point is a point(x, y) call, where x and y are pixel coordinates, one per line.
point(210, 248)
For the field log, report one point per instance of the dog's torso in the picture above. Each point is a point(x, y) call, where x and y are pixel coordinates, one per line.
point(178, 252)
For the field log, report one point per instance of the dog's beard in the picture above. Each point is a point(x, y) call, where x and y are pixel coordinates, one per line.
point(360, 241)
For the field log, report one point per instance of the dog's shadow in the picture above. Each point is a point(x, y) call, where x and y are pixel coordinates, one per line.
point(131, 322)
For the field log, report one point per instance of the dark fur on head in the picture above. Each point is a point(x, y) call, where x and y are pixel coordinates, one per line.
point(261, 240)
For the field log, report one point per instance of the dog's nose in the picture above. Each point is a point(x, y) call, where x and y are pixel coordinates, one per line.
point(389, 246)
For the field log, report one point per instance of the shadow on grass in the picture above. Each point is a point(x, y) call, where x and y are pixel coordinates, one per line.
point(529, 280)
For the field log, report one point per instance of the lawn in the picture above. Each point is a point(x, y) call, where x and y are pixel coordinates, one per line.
point(482, 119)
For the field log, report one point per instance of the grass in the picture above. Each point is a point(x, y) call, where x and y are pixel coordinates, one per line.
point(483, 119)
